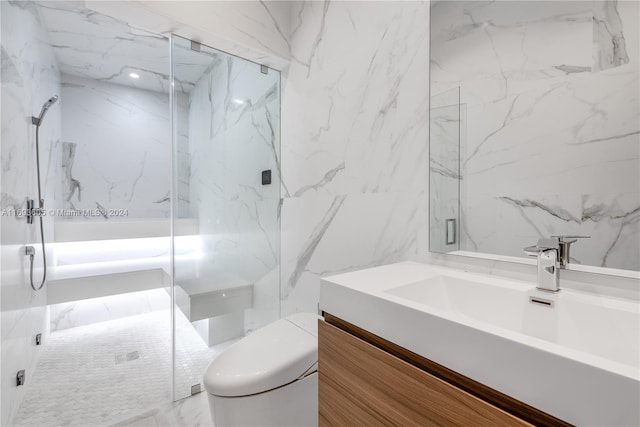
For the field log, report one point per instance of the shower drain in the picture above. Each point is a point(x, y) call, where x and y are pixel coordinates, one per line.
point(128, 357)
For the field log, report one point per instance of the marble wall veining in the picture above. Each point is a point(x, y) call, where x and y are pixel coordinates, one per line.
point(234, 133)
point(353, 162)
point(354, 119)
point(116, 150)
point(29, 77)
point(97, 46)
point(255, 30)
point(553, 138)
point(354, 158)
point(354, 141)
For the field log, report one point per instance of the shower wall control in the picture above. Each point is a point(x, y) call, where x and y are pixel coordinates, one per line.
point(20, 378)
point(30, 207)
point(266, 177)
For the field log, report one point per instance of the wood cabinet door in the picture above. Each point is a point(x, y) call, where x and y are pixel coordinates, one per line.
point(362, 385)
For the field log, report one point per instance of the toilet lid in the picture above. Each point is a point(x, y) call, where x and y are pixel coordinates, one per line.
point(270, 357)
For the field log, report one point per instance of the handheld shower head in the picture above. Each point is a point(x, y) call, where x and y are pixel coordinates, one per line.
point(45, 107)
point(50, 102)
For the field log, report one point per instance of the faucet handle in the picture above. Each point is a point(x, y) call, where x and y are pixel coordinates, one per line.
point(531, 250)
point(569, 238)
point(564, 247)
point(544, 244)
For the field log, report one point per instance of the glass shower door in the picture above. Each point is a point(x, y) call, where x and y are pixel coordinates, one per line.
point(444, 172)
point(226, 204)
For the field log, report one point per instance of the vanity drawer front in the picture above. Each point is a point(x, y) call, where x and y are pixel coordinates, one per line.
point(362, 385)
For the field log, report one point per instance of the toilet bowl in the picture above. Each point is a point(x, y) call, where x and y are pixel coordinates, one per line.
point(268, 378)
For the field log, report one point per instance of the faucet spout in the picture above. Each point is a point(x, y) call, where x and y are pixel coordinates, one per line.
point(548, 271)
point(546, 252)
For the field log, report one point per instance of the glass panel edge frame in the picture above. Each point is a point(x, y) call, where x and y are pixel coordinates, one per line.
point(280, 199)
point(458, 225)
point(428, 225)
point(172, 214)
point(208, 46)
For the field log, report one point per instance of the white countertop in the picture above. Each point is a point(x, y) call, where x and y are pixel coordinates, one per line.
point(577, 361)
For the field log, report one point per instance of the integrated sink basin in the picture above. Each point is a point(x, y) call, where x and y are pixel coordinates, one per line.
point(563, 318)
point(574, 355)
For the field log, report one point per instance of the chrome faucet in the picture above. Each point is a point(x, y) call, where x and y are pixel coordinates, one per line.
point(552, 254)
point(547, 253)
point(564, 244)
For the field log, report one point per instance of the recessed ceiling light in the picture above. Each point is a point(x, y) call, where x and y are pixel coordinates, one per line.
point(134, 75)
point(238, 101)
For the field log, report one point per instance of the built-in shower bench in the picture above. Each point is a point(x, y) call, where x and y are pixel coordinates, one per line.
point(98, 259)
point(215, 293)
point(69, 289)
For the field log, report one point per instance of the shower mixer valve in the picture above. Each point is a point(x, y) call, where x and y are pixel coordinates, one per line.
point(32, 211)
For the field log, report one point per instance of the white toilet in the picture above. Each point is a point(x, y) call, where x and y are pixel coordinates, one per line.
point(268, 378)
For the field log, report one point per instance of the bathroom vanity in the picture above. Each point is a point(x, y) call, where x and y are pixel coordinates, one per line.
point(413, 344)
point(365, 380)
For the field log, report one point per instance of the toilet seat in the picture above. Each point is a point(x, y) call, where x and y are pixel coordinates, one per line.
point(271, 357)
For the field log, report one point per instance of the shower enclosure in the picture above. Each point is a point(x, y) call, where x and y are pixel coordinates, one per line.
point(159, 167)
point(227, 194)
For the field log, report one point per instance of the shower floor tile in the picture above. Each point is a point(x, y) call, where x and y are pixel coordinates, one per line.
point(192, 411)
point(98, 374)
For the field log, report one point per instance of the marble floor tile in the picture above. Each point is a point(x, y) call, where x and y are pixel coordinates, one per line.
point(89, 375)
point(192, 411)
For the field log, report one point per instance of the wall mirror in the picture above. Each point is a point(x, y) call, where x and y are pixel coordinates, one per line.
point(535, 128)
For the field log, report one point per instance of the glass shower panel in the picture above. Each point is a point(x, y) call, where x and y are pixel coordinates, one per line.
point(226, 210)
point(444, 172)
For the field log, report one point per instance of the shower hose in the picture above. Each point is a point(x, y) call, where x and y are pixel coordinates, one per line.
point(41, 206)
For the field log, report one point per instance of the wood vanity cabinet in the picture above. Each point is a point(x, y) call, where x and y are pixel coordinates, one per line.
point(365, 380)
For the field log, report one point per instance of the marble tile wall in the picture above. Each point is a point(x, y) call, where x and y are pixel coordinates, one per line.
point(355, 123)
point(29, 76)
point(354, 141)
point(255, 30)
point(234, 132)
point(97, 46)
point(116, 150)
point(96, 54)
point(553, 138)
